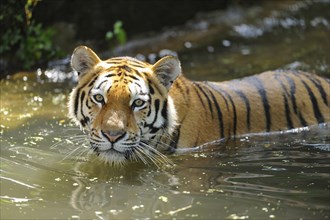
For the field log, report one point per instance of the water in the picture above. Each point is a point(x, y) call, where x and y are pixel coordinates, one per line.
point(46, 172)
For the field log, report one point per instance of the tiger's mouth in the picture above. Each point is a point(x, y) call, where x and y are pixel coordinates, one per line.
point(127, 154)
point(139, 151)
point(113, 156)
point(110, 149)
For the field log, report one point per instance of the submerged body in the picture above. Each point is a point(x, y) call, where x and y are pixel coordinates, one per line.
point(133, 109)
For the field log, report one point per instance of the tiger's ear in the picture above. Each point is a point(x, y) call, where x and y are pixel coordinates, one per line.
point(83, 59)
point(167, 70)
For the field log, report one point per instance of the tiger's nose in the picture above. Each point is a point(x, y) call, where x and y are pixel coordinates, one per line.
point(113, 136)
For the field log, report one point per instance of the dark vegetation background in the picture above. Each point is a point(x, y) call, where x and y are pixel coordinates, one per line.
point(34, 32)
point(93, 18)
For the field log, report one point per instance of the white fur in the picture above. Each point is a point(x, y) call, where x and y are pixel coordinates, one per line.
point(172, 115)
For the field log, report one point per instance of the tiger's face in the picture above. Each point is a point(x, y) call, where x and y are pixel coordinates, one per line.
point(123, 104)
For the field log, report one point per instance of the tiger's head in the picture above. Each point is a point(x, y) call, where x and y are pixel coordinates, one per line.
point(123, 104)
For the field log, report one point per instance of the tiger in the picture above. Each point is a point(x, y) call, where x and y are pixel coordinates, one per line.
point(134, 110)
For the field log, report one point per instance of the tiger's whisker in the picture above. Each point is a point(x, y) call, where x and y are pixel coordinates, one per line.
point(162, 158)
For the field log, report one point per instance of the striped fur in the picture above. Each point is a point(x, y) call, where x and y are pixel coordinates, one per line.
point(271, 101)
point(132, 109)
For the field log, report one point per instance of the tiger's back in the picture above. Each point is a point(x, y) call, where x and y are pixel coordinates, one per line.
point(271, 101)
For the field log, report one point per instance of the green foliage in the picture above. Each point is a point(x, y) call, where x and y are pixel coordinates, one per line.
point(37, 45)
point(118, 33)
point(24, 40)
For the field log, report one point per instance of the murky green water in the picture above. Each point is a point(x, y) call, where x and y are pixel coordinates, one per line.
point(47, 174)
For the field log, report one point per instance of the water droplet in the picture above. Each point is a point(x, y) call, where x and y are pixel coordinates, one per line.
point(226, 43)
point(163, 198)
point(245, 51)
point(210, 49)
point(188, 44)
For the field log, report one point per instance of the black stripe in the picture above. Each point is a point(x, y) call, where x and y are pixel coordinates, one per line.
point(85, 119)
point(199, 96)
point(82, 122)
point(234, 109)
point(82, 97)
point(316, 109)
point(109, 89)
point(151, 89)
point(143, 108)
point(99, 86)
point(220, 91)
point(219, 115)
point(138, 73)
point(292, 93)
point(302, 120)
point(186, 94)
point(110, 75)
point(287, 113)
point(318, 85)
point(179, 87)
point(164, 113)
point(150, 107)
point(137, 84)
point(87, 104)
point(206, 96)
point(133, 77)
point(119, 72)
point(145, 74)
point(77, 97)
point(91, 82)
point(247, 105)
point(154, 129)
point(184, 91)
point(157, 102)
point(127, 68)
point(293, 100)
point(262, 92)
point(286, 103)
point(76, 102)
point(151, 125)
point(156, 87)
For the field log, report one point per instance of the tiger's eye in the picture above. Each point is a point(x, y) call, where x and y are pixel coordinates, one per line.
point(138, 103)
point(99, 98)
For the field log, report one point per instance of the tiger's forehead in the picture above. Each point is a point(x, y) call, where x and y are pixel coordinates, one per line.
point(127, 76)
point(128, 63)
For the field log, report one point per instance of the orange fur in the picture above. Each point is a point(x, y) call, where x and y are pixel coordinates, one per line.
point(199, 125)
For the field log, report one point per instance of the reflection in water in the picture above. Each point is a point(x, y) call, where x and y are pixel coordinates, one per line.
point(47, 173)
point(272, 169)
point(119, 198)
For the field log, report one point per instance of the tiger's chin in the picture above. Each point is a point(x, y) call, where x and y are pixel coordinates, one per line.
point(114, 157)
point(140, 151)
